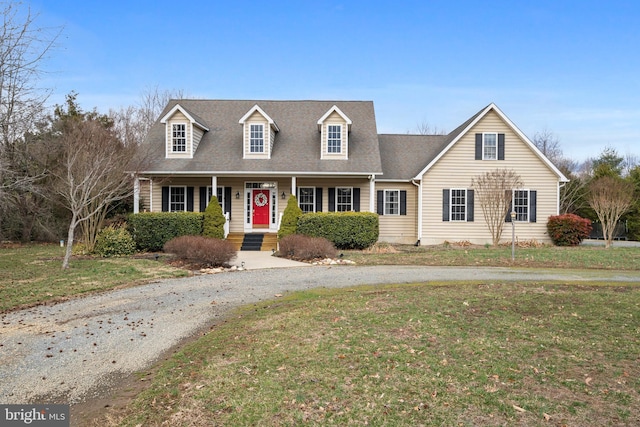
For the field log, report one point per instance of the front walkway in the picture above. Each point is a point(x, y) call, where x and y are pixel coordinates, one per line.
point(254, 260)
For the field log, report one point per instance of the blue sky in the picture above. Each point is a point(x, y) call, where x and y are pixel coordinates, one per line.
point(570, 67)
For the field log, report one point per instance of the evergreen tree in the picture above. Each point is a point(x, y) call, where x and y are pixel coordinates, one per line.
point(292, 213)
point(214, 220)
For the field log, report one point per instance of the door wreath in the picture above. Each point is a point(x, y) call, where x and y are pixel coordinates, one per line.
point(260, 200)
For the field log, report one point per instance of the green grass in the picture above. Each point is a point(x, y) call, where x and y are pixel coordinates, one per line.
point(32, 274)
point(582, 257)
point(494, 354)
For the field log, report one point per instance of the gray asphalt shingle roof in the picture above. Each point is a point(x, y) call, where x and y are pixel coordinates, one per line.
point(403, 156)
point(297, 144)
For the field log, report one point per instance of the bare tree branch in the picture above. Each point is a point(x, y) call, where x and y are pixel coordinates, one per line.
point(610, 197)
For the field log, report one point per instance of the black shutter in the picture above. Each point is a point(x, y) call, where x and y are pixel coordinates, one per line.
point(165, 199)
point(470, 205)
point(318, 199)
point(227, 201)
point(403, 202)
point(203, 199)
point(356, 200)
point(190, 199)
point(533, 201)
point(501, 146)
point(380, 202)
point(509, 194)
point(445, 205)
point(478, 146)
point(332, 199)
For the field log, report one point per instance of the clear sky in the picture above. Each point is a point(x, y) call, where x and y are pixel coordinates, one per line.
point(569, 67)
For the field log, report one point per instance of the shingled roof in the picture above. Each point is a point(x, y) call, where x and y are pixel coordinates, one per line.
point(403, 156)
point(296, 148)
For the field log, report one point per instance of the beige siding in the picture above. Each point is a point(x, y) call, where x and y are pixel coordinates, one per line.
point(178, 117)
point(334, 119)
point(257, 118)
point(456, 169)
point(197, 136)
point(325, 184)
point(400, 228)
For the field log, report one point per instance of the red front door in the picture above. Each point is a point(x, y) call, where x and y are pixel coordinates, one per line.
point(261, 209)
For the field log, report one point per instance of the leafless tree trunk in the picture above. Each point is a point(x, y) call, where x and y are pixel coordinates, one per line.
point(93, 172)
point(610, 198)
point(493, 191)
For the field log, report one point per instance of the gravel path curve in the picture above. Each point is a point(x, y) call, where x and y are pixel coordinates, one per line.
point(74, 350)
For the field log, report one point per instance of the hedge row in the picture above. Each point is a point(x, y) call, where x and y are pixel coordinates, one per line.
point(347, 230)
point(151, 230)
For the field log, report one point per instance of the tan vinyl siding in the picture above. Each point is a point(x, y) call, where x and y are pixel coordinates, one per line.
point(178, 118)
point(335, 119)
point(456, 169)
point(400, 228)
point(325, 184)
point(257, 118)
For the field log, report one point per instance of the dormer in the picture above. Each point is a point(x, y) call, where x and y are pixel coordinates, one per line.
point(334, 129)
point(258, 134)
point(183, 132)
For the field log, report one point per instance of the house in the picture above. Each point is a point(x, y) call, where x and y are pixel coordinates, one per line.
point(254, 154)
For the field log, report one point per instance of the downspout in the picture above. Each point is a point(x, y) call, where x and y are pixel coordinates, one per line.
point(419, 219)
point(136, 194)
point(372, 192)
point(560, 185)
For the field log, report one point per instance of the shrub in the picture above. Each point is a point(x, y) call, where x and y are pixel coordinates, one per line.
point(347, 230)
point(114, 241)
point(568, 229)
point(290, 217)
point(297, 246)
point(213, 222)
point(201, 250)
point(151, 230)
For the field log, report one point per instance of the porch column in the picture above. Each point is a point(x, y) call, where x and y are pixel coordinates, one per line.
point(136, 195)
point(372, 193)
point(214, 185)
point(293, 185)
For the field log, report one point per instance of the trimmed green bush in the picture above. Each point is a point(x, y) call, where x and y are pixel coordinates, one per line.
point(346, 230)
point(568, 229)
point(112, 241)
point(213, 222)
point(204, 251)
point(290, 217)
point(151, 230)
point(306, 248)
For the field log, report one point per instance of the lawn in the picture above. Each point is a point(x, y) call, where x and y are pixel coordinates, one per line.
point(32, 274)
point(463, 355)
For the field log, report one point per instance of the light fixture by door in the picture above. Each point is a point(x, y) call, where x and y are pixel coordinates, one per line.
point(237, 194)
point(283, 196)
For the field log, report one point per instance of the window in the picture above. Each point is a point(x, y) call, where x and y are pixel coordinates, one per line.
point(391, 202)
point(177, 199)
point(219, 195)
point(334, 138)
point(344, 200)
point(179, 137)
point(521, 205)
point(490, 146)
point(458, 205)
point(306, 199)
point(256, 139)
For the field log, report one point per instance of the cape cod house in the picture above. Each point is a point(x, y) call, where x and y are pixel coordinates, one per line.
point(254, 154)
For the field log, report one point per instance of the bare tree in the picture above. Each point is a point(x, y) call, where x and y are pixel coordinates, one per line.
point(425, 128)
point(549, 145)
point(610, 197)
point(493, 191)
point(93, 166)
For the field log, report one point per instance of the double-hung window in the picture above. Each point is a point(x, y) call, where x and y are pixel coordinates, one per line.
point(256, 138)
point(490, 146)
point(177, 199)
point(179, 137)
point(334, 139)
point(391, 202)
point(344, 199)
point(306, 199)
point(458, 205)
point(521, 205)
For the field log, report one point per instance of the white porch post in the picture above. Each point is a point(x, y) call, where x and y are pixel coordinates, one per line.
point(293, 185)
point(214, 185)
point(372, 193)
point(136, 195)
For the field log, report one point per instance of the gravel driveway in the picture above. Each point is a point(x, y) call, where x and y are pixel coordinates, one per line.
point(76, 350)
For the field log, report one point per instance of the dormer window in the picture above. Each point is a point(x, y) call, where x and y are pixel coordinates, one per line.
point(179, 137)
point(256, 143)
point(334, 138)
point(334, 129)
